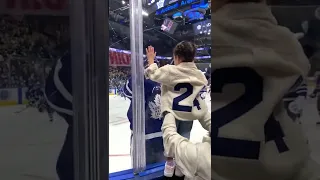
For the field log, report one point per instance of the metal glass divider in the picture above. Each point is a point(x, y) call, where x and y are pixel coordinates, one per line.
point(90, 57)
point(137, 71)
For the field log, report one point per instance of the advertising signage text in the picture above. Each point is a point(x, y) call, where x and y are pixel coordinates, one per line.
point(178, 4)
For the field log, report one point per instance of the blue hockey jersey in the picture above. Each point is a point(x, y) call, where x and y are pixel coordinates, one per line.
point(152, 107)
point(58, 87)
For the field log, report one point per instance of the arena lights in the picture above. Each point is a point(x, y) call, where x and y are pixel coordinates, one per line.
point(151, 2)
point(158, 57)
point(201, 5)
point(144, 13)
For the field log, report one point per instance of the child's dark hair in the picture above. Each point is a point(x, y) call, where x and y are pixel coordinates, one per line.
point(185, 50)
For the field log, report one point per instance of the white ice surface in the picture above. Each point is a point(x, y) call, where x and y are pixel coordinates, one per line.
point(29, 144)
point(119, 148)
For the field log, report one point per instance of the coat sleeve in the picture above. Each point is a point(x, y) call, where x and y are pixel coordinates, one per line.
point(160, 75)
point(205, 121)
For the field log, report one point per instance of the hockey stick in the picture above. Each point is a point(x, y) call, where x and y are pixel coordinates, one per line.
point(21, 110)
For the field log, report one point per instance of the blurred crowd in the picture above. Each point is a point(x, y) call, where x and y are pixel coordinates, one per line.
point(28, 46)
point(20, 73)
point(118, 76)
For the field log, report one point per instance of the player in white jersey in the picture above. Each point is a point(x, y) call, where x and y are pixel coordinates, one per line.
point(255, 63)
point(181, 87)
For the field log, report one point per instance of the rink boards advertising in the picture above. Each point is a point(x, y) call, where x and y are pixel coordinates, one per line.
point(113, 91)
point(12, 96)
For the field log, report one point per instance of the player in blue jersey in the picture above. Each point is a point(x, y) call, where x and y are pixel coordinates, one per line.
point(153, 120)
point(58, 93)
point(121, 93)
point(36, 99)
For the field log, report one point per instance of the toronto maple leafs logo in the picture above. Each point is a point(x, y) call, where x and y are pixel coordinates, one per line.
point(155, 107)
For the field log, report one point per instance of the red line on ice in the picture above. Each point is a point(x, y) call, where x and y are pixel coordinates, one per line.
point(118, 155)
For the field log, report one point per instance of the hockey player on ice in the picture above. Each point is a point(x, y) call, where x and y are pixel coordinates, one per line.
point(256, 64)
point(153, 118)
point(36, 99)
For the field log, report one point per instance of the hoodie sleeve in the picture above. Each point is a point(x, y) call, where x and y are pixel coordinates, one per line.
point(160, 75)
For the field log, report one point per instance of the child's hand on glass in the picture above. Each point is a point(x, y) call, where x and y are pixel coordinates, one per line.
point(151, 54)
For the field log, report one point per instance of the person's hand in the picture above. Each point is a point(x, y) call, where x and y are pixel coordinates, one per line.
point(151, 54)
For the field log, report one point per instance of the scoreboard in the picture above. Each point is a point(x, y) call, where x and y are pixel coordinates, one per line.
point(202, 27)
